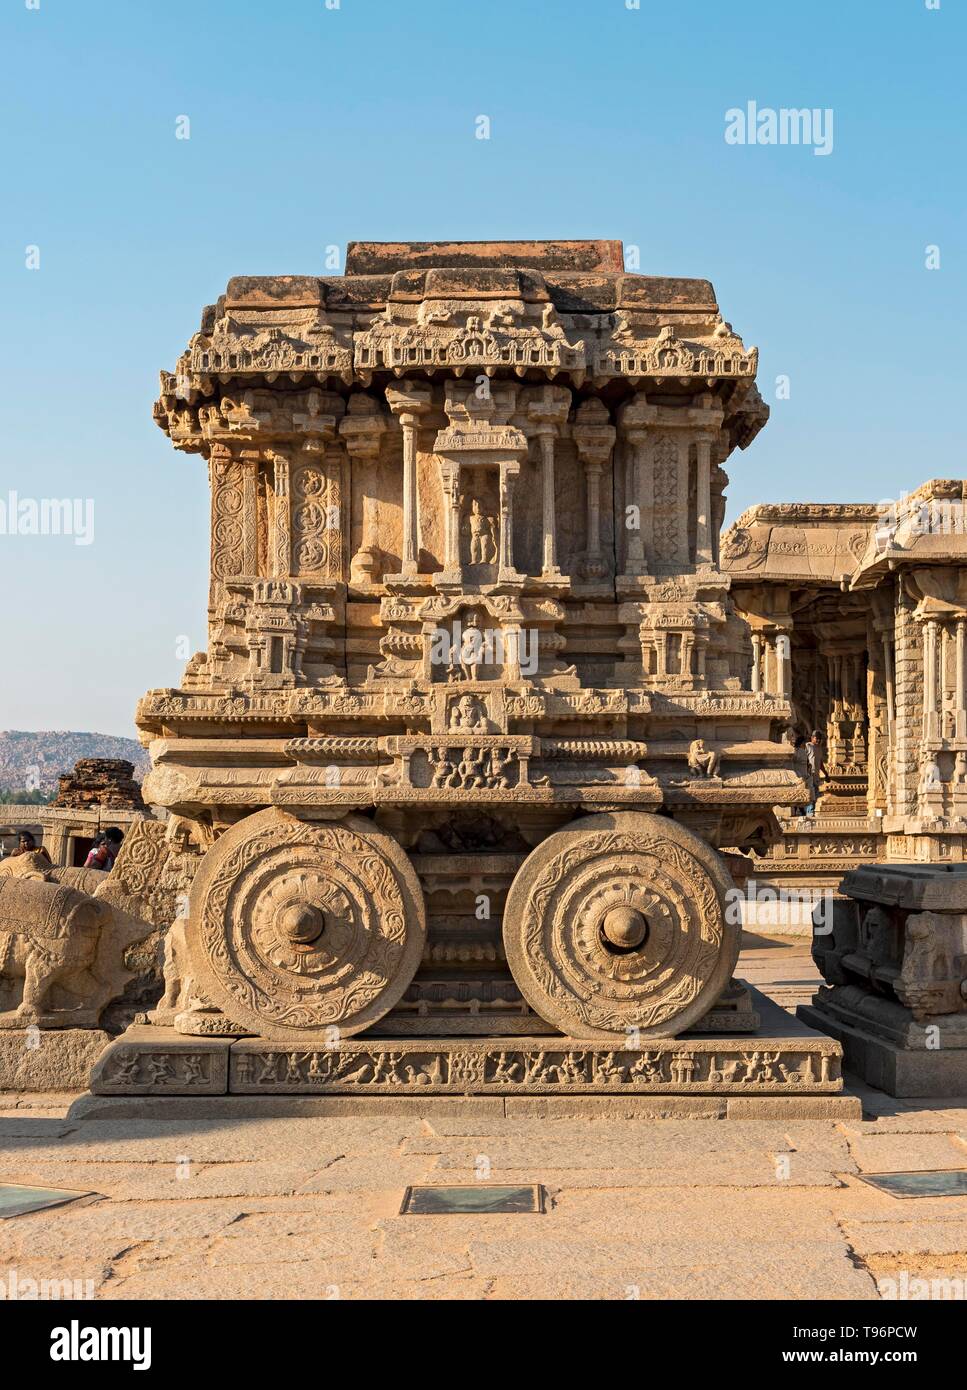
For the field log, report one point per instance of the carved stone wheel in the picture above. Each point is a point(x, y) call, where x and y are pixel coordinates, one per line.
point(303, 932)
point(617, 922)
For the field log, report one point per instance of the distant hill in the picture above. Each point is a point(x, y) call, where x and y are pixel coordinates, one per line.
point(26, 756)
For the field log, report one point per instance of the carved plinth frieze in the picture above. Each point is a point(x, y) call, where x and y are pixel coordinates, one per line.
point(793, 1066)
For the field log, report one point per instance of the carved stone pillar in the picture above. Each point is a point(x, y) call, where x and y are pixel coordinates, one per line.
point(232, 514)
point(703, 501)
point(637, 495)
point(450, 479)
point(720, 481)
point(945, 694)
point(592, 563)
point(889, 681)
point(661, 653)
point(930, 718)
point(783, 662)
point(684, 546)
point(251, 459)
point(960, 708)
point(361, 430)
point(505, 553)
point(594, 438)
point(756, 662)
point(549, 565)
point(547, 408)
point(281, 542)
point(637, 525)
point(408, 401)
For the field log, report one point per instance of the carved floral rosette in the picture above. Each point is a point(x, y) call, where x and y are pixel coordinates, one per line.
point(305, 932)
point(617, 923)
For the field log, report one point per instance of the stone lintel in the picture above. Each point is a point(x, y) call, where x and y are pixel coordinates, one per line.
point(385, 257)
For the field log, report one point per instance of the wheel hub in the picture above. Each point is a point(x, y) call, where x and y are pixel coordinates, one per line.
point(624, 928)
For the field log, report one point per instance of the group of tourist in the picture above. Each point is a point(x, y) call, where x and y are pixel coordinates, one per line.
point(101, 855)
point(105, 849)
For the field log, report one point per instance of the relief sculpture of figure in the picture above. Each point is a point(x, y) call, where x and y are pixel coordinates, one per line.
point(704, 761)
point(483, 545)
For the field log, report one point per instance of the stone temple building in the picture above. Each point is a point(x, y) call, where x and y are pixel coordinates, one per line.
point(859, 613)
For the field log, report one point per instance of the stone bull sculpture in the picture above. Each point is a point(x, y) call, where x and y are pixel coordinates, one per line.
point(55, 949)
point(65, 933)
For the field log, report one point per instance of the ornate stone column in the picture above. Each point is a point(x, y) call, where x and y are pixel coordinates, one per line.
point(233, 519)
point(594, 438)
point(450, 479)
point(361, 430)
point(930, 720)
point(505, 553)
point(250, 460)
point(960, 707)
point(408, 401)
point(945, 692)
point(549, 565)
point(783, 662)
point(547, 409)
point(682, 441)
point(633, 420)
point(756, 663)
point(281, 543)
point(703, 501)
point(661, 653)
point(639, 489)
point(889, 682)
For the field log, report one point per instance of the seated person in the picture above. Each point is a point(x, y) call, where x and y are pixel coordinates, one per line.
point(27, 844)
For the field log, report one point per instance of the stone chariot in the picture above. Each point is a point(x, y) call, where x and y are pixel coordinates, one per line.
point(473, 752)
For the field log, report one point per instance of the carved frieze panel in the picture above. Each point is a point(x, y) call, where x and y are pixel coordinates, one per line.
point(522, 1066)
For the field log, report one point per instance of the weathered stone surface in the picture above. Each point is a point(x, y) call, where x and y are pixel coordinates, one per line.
point(705, 1211)
point(79, 947)
point(99, 782)
point(899, 1153)
point(48, 1060)
point(59, 954)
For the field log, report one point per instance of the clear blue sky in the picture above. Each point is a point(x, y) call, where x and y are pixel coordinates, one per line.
point(313, 126)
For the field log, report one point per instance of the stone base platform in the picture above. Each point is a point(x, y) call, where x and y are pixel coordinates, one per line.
point(783, 1062)
point(549, 1107)
point(49, 1059)
point(899, 1071)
